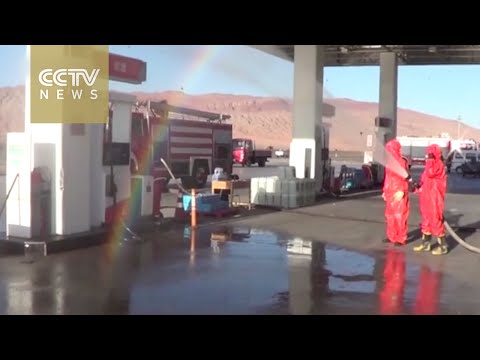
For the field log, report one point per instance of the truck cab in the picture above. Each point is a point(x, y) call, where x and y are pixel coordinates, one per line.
point(245, 154)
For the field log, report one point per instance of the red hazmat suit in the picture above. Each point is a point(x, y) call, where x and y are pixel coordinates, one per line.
point(396, 211)
point(433, 187)
point(391, 296)
point(426, 302)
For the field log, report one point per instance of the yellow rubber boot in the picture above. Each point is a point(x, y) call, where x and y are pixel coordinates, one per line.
point(442, 248)
point(425, 245)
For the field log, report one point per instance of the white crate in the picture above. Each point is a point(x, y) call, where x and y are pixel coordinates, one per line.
point(277, 199)
point(271, 188)
point(291, 193)
point(267, 191)
point(290, 201)
point(253, 190)
point(258, 190)
point(286, 172)
point(310, 193)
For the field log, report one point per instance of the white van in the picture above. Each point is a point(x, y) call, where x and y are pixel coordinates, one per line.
point(460, 158)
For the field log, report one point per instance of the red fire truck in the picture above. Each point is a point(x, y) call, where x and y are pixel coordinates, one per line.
point(193, 143)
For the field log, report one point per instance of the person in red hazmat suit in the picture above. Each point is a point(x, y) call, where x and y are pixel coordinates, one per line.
point(432, 189)
point(395, 194)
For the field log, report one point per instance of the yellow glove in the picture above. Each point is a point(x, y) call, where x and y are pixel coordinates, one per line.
point(398, 196)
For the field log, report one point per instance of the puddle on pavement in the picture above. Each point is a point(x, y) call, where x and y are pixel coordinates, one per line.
point(221, 270)
point(236, 270)
point(330, 280)
point(228, 271)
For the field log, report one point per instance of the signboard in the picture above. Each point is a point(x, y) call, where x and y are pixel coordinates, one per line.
point(128, 70)
point(383, 122)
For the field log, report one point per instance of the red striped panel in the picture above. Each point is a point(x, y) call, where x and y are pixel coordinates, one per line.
point(200, 124)
point(182, 156)
point(222, 127)
point(195, 145)
point(190, 135)
point(178, 129)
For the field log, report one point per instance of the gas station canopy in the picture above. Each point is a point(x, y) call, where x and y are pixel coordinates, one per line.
point(364, 55)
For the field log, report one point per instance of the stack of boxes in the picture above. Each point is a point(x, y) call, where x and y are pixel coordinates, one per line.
point(283, 190)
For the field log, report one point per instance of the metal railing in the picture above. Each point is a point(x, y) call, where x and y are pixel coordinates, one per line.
point(8, 194)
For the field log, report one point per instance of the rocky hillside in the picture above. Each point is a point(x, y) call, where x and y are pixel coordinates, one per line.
point(268, 120)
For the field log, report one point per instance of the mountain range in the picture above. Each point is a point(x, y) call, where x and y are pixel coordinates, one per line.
point(268, 120)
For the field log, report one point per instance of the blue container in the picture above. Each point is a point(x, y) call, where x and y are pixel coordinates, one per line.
point(213, 207)
point(205, 203)
point(359, 177)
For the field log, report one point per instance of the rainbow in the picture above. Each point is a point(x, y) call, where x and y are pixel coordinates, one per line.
point(203, 57)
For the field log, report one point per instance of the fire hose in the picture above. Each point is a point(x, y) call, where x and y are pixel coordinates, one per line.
point(177, 182)
point(450, 230)
point(455, 235)
point(459, 239)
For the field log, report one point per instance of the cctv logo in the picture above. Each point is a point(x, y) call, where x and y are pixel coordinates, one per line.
point(74, 74)
point(68, 77)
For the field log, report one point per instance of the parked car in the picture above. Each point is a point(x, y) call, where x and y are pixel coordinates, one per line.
point(471, 168)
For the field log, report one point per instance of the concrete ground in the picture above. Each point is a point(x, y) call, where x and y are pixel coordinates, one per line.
point(324, 259)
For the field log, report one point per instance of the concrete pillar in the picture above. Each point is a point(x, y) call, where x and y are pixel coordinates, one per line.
point(387, 108)
point(306, 146)
point(387, 104)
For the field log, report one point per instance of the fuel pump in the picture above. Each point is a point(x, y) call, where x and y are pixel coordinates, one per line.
point(116, 160)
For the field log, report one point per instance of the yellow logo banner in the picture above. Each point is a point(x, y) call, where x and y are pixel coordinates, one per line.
point(69, 84)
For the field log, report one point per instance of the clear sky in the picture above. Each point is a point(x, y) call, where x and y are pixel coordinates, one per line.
point(447, 91)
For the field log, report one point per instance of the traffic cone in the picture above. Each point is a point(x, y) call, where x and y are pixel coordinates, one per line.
point(180, 213)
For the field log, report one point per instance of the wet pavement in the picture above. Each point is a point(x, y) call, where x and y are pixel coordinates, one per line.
point(324, 259)
point(225, 269)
